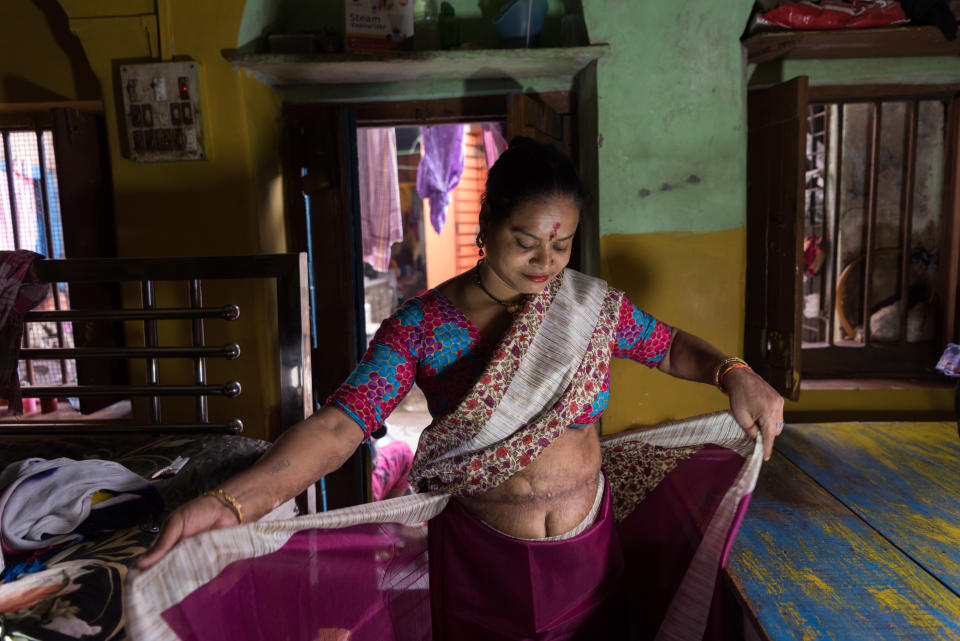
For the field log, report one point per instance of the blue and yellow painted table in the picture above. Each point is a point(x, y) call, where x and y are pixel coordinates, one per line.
point(854, 533)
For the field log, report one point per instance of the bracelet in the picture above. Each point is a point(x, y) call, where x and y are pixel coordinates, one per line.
point(724, 367)
point(729, 369)
point(229, 500)
point(717, 371)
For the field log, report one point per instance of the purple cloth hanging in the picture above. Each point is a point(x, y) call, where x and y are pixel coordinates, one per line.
point(440, 168)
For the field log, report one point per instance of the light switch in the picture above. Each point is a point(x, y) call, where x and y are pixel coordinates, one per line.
point(162, 113)
point(159, 89)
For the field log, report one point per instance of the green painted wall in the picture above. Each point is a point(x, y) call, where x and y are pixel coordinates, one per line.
point(671, 112)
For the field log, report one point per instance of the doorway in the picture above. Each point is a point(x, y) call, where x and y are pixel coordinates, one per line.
point(322, 202)
point(411, 240)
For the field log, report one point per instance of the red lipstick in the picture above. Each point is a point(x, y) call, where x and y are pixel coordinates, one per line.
point(537, 279)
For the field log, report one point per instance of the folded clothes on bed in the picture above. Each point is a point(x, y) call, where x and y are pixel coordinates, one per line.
point(47, 502)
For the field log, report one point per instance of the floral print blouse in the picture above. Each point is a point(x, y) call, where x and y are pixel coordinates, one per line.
point(428, 341)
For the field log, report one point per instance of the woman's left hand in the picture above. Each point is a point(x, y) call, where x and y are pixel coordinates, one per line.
point(755, 405)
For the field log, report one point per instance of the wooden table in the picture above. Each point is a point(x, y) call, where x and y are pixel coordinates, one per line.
point(854, 533)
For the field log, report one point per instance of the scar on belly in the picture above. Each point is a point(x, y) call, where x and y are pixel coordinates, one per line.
point(534, 499)
point(556, 226)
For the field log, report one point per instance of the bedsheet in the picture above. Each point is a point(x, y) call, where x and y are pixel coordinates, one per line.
point(79, 593)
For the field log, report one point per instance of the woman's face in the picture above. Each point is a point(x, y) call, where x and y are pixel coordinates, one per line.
point(532, 245)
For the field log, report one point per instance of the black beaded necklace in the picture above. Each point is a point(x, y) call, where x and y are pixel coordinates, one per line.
point(511, 307)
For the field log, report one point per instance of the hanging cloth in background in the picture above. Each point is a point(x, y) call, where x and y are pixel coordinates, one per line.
point(441, 164)
point(19, 293)
point(381, 219)
point(494, 143)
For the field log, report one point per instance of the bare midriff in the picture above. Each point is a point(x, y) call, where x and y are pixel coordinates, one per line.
point(550, 496)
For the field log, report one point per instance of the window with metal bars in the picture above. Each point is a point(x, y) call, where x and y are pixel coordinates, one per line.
point(872, 226)
point(30, 219)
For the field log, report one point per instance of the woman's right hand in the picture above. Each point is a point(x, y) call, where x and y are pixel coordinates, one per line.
point(309, 450)
point(201, 514)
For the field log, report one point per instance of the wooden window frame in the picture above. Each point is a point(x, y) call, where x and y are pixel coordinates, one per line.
point(771, 341)
point(907, 361)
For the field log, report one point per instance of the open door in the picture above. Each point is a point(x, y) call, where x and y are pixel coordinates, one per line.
point(324, 221)
point(777, 125)
point(529, 116)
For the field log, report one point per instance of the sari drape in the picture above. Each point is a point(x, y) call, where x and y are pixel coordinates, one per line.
point(647, 568)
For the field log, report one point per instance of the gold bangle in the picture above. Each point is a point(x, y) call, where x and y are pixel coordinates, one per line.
point(726, 361)
point(729, 368)
point(229, 500)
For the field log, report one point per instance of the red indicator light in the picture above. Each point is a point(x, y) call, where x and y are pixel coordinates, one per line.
point(183, 88)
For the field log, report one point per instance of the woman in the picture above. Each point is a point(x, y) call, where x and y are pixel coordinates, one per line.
point(513, 357)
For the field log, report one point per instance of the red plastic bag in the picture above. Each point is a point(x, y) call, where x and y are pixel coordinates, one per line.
point(834, 14)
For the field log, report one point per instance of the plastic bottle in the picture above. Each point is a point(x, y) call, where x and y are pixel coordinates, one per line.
point(426, 33)
point(449, 27)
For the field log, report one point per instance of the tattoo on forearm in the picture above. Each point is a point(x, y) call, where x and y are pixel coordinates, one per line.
point(279, 465)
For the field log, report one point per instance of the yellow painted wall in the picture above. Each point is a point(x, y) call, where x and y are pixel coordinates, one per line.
point(691, 281)
point(230, 203)
point(35, 65)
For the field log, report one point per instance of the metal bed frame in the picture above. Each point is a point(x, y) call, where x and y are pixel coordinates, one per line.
point(289, 273)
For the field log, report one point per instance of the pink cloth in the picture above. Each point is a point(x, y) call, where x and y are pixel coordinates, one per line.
point(494, 143)
point(485, 586)
point(386, 582)
point(381, 219)
point(19, 293)
point(363, 583)
point(391, 469)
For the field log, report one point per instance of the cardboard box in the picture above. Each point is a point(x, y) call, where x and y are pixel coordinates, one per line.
point(377, 25)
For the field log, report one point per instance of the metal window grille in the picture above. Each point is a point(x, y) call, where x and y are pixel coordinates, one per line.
point(30, 219)
point(872, 237)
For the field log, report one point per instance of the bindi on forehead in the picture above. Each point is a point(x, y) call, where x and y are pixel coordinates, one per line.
point(553, 232)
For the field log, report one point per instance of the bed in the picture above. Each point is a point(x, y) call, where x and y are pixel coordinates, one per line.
point(75, 590)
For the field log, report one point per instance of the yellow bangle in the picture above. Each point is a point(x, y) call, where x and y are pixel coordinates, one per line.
point(229, 500)
point(725, 366)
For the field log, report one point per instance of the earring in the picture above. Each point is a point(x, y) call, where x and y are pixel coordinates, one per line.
point(480, 244)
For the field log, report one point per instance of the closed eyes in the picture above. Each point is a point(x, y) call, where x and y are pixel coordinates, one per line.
point(559, 248)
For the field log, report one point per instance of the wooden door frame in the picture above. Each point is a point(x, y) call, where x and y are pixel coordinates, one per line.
point(580, 104)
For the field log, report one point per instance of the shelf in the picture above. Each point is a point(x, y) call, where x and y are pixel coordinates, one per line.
point(290, 70)
point(882, 42)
